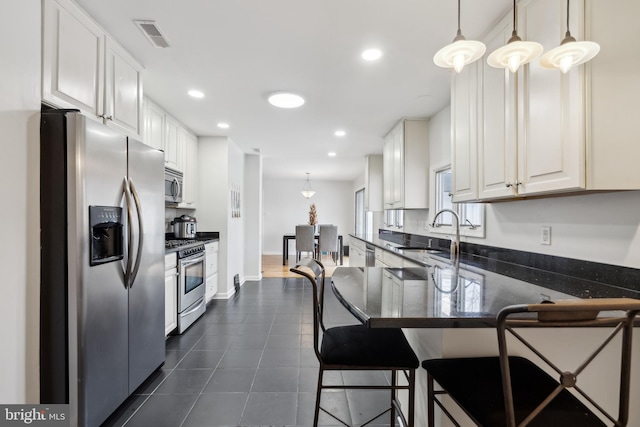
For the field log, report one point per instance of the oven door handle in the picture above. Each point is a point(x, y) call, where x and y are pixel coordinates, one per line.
point(136, 266)
point(185, 262)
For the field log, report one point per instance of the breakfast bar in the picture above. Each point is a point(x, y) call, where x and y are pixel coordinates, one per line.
point(441, 295)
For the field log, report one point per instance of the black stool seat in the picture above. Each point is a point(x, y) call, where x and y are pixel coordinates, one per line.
point(360, 346)
point(476, 385)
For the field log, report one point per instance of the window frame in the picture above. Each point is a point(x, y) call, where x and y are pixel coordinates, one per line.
point(436, 197)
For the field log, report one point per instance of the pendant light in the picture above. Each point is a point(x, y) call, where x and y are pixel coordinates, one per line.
point(516, 52)
point(570, 52)
point(307, 192)
point(460, 52)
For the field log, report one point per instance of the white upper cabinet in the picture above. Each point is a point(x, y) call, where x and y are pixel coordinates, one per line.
point(373, 183)
point(406, 165)
point(123, 89)
point(72, 56)
point(551, 131)
point(190, 168)
point(172, 147)
point(544, 132)
point(497, 133)
point(84, 68)
point(464, 133)
point(153, 125)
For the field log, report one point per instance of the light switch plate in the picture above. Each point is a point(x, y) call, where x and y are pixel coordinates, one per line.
point(545, 235)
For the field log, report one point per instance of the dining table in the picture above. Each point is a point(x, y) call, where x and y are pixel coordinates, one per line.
point(285, 247)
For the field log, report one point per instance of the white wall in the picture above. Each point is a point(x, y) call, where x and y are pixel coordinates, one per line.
point(285, 207)
point(221, 165)
point(20, 123)
point(253, 217)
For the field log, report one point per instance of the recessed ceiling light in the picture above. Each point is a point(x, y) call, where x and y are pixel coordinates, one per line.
point(286, 100)
point(196, 93)
point(331, 154)
point(371, 54)
point(340, 133)
point(223, 125)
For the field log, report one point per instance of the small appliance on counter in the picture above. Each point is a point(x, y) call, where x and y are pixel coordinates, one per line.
point(184, 227)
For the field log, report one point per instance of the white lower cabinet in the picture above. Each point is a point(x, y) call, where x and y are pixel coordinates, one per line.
point(170, 293)
point(211, 250)
point(356, 253)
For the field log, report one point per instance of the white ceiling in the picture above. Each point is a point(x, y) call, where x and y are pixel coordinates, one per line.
point(239, 51)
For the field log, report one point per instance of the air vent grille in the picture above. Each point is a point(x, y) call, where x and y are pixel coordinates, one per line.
point(153, 33)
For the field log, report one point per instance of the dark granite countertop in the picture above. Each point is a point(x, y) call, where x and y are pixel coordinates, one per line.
point(574, 285)
point(442, 295)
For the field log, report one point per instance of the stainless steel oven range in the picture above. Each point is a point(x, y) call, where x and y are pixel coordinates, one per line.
point(191, 282)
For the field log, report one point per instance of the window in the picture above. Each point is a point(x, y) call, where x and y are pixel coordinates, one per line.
point(471, 214)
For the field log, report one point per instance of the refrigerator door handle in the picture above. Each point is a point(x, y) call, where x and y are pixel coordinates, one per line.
point(127, 196)
point(136, 267)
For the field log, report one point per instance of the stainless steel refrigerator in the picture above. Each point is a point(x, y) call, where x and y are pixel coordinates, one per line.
point(102, 258)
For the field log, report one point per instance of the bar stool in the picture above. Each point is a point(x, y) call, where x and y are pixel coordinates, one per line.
point(513, 391)
point(358, 348)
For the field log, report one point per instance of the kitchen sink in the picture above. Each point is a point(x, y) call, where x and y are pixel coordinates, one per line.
point(420, 250)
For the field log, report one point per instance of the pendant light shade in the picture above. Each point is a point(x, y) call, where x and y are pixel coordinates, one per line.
point(516, 52)
point(460, 52)
point(307, 192)
point(570, 52)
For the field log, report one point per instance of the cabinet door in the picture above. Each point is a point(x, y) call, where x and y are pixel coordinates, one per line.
point(123, 90)
point(154, 125)
point(497, 156)
point(171, 130)
point(551, 136)
point(387, 171)
point(170, 300)
point(464, 133)
point(72, 59)
point(398, 166)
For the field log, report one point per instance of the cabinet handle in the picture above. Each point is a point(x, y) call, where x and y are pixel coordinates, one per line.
point(515, 184)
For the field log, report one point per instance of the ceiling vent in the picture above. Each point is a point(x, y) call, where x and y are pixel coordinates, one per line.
point(153, 33)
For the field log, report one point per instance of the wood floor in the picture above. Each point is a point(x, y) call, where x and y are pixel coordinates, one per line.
point(272, 265)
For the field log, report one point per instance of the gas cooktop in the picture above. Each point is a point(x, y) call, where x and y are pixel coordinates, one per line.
point(176, 243)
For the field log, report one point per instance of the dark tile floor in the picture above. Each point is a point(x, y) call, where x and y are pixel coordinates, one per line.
point(249, 361)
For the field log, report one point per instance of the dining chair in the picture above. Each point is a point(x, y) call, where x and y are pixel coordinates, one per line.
point(358, 348)
point(328, 242)
point(511, 391)
point(305, 240)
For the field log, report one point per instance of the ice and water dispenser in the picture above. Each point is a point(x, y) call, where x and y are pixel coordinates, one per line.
point(106, 234)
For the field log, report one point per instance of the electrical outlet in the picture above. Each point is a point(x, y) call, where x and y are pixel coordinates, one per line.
point(545, 235)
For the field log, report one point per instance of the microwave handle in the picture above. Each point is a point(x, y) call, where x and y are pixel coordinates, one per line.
point(175, 188)
point(136, 267)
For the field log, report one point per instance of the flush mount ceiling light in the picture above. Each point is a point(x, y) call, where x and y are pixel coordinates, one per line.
point(331, 154)
point(516, 52)
point(339, 133)
point(195, 93)
point(371, 54)
point(223, 125)
point(460, 52)
point(285, 100)
point(570, 52)
point(307, 192)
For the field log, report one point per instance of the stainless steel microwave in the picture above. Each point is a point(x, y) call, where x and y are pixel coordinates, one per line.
point(172, 186)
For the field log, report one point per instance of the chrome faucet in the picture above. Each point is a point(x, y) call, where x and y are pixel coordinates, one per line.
point(455, 245)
